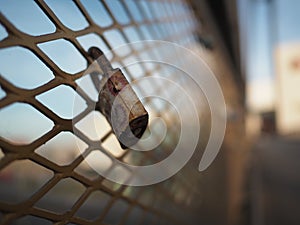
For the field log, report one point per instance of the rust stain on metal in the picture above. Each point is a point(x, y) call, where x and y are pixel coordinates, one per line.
point(126, 103)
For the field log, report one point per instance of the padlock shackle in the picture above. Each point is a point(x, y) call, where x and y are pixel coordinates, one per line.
point(101, 59)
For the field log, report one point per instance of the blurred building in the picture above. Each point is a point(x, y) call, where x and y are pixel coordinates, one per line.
point(287, 56)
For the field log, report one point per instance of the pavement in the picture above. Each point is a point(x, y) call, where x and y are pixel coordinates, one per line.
point(274, 182)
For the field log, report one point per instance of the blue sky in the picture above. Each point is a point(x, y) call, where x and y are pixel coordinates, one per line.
point(288, 22)
point(22, 68)
point(262, 29)
point(25, 70)
point(265, 26)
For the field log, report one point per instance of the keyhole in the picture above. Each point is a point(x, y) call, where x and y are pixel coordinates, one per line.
point(115, 90)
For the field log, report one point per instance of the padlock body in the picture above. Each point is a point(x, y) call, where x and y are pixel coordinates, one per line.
point(122, 108)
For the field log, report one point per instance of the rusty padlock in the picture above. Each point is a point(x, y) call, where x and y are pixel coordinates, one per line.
point(123, 110)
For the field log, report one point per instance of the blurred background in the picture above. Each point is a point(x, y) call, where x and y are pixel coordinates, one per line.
point(48, 126)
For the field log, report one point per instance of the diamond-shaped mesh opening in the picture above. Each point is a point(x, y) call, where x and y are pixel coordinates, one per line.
point(58, 194)
point(118, 11)
point(62, 149)
point(3, 33)
point(135, 12)
point(35, 24)
point(112, 146)
point(86, 170)
point(43, 52)
point(29, 72)
point(135, 216)
point(22, 124)
point(116, 212)
point(2, 93)
point(116, 38)
point(97, 161)
point(89, 40)
point(98, 12)
point(1, 154)
point(94, 125)
point(21, 179)
point(61, 100)
point(67, 59)
point(94, 205)
point(66, 11)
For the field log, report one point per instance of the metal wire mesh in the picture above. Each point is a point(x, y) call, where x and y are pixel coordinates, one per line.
point(66, 190)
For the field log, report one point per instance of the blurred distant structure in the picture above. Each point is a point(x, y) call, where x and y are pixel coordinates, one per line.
point(271, 59)
point(287, 84)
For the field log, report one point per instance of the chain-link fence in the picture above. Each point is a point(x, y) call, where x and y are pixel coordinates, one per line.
point(43, 54)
